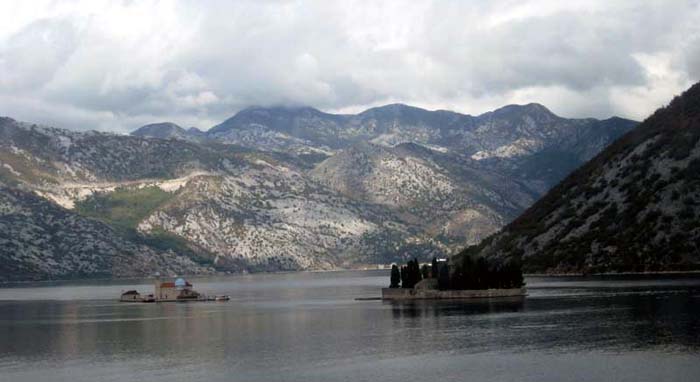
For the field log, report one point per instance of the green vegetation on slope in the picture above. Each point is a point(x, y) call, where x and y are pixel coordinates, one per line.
point(166, 241)
point(125, 207)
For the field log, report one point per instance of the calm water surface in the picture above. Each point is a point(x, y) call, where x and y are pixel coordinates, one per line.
point(308, 327)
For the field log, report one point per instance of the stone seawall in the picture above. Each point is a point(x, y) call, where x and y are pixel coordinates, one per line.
point(434, 294)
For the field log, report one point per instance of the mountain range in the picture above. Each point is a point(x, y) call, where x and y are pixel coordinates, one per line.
point(280, 188)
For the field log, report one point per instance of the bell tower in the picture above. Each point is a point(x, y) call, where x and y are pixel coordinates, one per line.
point(156, 292)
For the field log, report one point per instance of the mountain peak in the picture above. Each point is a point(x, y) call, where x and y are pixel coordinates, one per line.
point(279, 109)
point(167, 130)
point(4, 119)
point(530, 109)
point(273, 116)
point(393, 109)
point(157, 130)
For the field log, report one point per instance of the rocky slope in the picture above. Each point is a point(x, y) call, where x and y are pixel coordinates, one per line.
point(455, 201)
point(40, 240)
point(271, 217)
point(634, 207)
point(246, 210)
point(46, 155)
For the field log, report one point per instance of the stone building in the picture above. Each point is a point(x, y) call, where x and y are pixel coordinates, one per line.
point(178, 290)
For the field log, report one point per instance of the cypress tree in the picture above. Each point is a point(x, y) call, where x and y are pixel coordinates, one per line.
point(404, 277)
point(443, 276)
point(425, 271)
point(469, 273)
point(395, 277)
point(482, 270)
point(416, 272)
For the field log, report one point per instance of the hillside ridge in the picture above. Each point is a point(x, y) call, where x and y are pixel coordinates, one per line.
point(633, 207)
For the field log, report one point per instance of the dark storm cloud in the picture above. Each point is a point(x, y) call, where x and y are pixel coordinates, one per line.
point(118, 65)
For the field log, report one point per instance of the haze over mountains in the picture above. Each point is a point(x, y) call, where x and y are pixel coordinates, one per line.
point(283, 188)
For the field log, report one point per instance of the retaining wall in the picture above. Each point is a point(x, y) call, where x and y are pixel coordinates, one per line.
point(434, 294)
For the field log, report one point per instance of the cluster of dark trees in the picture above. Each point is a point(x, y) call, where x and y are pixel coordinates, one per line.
point(409, 275)
point(479, 273)
point(464, 273)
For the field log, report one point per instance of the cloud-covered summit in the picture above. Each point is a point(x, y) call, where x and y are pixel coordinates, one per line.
point(118, 65)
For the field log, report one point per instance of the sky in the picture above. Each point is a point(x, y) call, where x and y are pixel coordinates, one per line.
point(117, 65)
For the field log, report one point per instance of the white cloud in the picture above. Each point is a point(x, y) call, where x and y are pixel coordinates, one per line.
point(116, 65)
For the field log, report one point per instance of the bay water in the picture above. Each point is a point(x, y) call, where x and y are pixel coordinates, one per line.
point(309, 327)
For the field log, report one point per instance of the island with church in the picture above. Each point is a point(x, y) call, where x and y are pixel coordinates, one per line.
point(179, 290)
point(465, 278)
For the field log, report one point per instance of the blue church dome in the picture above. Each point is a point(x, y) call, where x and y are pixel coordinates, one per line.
point(180, 283)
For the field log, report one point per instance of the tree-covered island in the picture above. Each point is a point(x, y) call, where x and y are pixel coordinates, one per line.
point(462, 273)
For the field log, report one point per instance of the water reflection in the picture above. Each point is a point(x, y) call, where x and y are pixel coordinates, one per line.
point(436, 308)
point(308, 327)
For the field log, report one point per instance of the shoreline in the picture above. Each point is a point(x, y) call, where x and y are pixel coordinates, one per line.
point(412, 294)
point(187, 275)
point(238, 274)
point(657, 273)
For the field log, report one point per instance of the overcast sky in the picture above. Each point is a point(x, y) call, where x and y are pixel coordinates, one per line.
point(118, 65)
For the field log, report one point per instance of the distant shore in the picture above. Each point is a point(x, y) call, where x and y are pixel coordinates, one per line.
point(234, 274)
